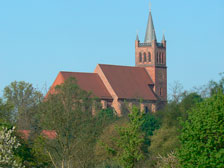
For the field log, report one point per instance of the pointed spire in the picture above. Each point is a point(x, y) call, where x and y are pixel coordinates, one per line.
point(137, 39)
point(150, 34)
point(163, 37)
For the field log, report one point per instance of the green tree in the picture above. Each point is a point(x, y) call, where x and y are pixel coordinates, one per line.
point(202, 136)
point(69, 113)
point(128, 146)
point(108, 139)
point(24, 98)
point(165, 139)
point(5, 112)
point(215, 87)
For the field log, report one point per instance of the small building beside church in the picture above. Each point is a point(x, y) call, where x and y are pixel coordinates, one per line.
point(144, 83)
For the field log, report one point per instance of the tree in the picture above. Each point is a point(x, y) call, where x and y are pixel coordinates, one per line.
point(165, 139)
point(69, 113)
point(8, 145)
point(108, 139)
point(202, 135)
point(24, 98)
point(215, 87)
point(128, 146)
point(5, 112)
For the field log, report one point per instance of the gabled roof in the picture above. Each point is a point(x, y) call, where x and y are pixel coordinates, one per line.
point(86, 81)
point(129, 82)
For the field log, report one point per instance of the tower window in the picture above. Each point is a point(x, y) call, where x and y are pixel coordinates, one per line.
point(144, 57)
point(157, 58)
point(149, 57)
point(140, 57)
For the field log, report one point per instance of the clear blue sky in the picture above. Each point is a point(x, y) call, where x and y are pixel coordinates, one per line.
point(39, 38)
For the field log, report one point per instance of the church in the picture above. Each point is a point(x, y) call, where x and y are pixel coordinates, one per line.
point(117, 86)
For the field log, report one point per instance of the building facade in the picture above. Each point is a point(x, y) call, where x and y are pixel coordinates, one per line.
point(122, 86)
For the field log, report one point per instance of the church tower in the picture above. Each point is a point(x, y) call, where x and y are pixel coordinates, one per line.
point(152, 56)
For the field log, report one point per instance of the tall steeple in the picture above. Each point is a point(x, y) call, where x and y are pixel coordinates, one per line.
point(150, 34)
point(152, 56)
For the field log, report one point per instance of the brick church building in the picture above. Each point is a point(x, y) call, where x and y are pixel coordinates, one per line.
point(144, 83)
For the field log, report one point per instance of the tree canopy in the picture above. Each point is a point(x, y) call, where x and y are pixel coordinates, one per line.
point(202, 135)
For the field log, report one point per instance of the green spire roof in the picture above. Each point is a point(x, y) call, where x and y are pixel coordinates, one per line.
point(150, 34)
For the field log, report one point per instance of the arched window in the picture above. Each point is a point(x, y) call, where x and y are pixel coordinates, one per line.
point(140, 57)
point(149, 57)
point(157, 58)
point(144, 57)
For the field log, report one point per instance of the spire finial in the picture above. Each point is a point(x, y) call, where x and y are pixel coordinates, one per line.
point(150, 6)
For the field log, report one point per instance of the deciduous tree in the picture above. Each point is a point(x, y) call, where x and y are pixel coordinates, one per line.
point(69, 113)
point(24, 98)
point(202, 136)
point(128, 146)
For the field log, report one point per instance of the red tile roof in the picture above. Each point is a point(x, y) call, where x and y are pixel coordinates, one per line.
point(129, 82)
point(86, 81)
point(50, 134)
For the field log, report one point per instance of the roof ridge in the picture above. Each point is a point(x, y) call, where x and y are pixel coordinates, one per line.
point(77, 72)
point(120, 65)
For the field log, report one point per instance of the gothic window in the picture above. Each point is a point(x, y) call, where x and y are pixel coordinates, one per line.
point(157, 58)
point(149, 57)
point(140, 57)
point(144, 57)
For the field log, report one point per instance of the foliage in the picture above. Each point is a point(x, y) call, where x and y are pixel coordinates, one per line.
point(69, 113)
point(215, 87)
point(149, 123)
point(41, 158)
point(104, 118)
point(174, 110)
point(170, 161)
point(8, 144)
point(164, 141)
point(202, 136)
point(108, 138)
point(24, 98)
point(5, 112)
point(130, 141)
